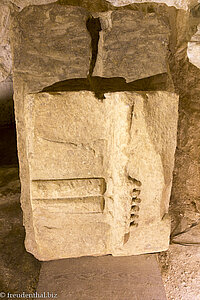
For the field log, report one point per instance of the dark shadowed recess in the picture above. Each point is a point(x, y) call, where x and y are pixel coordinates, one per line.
point(19, 270)
point(100, 86)
point(8, 146)
point(94, 27)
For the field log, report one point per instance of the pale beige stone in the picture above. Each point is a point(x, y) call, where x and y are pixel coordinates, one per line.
point(83, 205)
point(68, 133)
point(60, 234)
point(114, 200)
point(150, 164)
point(193, 50)
point(136, 50)
point(74, 188)
point(180, 4)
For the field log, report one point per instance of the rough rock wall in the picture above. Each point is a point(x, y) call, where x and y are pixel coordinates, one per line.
point(183, 4)
point(6, 103)
point(185, 199)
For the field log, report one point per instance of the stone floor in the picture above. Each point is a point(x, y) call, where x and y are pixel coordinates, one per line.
point(103, 277)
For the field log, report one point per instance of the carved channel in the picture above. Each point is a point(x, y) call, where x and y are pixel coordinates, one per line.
point(79, 195)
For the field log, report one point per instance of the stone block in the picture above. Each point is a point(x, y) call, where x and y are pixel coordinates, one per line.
point(50, 43)
point(96, 175)
point(134, 51)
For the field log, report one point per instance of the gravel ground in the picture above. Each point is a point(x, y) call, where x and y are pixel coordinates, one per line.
point(181, 272)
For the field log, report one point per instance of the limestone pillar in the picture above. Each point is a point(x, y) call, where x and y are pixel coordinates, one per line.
point(96, 174)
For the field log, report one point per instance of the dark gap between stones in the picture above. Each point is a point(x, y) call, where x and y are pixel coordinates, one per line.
point(94, 27)
point(100, 85)
point(81, 84)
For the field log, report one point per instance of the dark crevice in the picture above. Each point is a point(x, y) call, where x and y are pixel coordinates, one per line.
point(94, 27)
point(100, 85)
point(81, 84)
point(119, 84)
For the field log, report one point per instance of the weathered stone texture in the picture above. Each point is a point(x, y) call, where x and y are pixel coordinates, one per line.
point(115, 199)
point(23, 3)
point(181, 4)
point(185, 198)
point(96, 175)
point(50, 44)
point(193, 50)
point(136, 50)
point(5, 53)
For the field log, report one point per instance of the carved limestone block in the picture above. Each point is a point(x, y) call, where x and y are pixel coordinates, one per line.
point(96, 175)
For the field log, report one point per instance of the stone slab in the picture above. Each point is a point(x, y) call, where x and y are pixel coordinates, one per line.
point(50, 43)
point(99, 278)
point(136, 50)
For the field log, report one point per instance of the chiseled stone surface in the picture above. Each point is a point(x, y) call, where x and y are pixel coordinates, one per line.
point(96, 175)
point(50, 43)
point(136, 50)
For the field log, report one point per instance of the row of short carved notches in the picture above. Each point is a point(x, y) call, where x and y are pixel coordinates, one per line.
point(135, 207)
